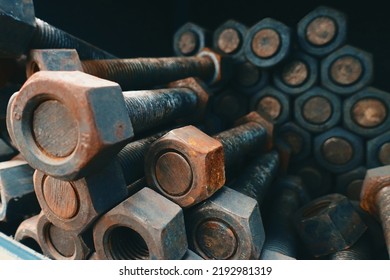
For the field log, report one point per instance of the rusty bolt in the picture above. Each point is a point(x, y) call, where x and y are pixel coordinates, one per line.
point(267, 42)
point(144, 226)
point(297, 74)
point(94, 117)
point(21, 30)
point(189, 39)
point(188, 166)
point(317, 110)
point(281, 241)
point(229, 105)
point(338, 150)
point(350, 183)
point(249, 78)
point(361, 250)
point(378, 151)
point(375, 196)
point(329, 224)
point(322, 31)
point(17, 197)
point(273, 102)
point(136, 73)
point(297, 138)
point(27, 233)
point(228, 39)
point(366, 112)
point(347, 70)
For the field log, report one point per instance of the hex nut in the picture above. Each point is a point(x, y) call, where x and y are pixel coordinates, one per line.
point(329, 224)
point(377, 151)
point(189, 39)
point(144, 226)
point(226, 226)
point(351, 182)
point(71, 106)
point(248, 78)
point(192, 154)
point(298, 139)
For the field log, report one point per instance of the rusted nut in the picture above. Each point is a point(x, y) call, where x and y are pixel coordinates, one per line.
point(317, 110)
point(329, 224)
point(297, 74)
point(191, 256)
point(228, 39)
point(53, 106)
point(367, 112)
point(273, 102)
point(298, 139)
point(17, 197)
point(228, 226)
point(74, 205)
point(21, 30)
point(339, 150)
point(375, 196)
point(249, 78)
point(144, 226)
point(229, 105)
point(322, 31)
point(347, 70)
point(60, 244)
point(189, 39)
point(267, 42)
point(350, 183)
point(378, 151)
point(27, 233)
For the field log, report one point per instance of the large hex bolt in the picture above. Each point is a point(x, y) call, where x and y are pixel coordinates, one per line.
point(60, 244)
point(93, 115)
point(188, 166)
point(378, 151)
point(347, 70)
point(267, 42)
point(339, 150)
point(74, 205)
point(322, 31)
point(350, 183)
point(249, 78)
point(21, 31)
point(298, 139)
point(228, 39)
point(375, 197)
point(281, 242)
point(133, 73)
point(228, 225)
point(229, 105)
point(328, 224)
point(367, 112)
point(297, 74)
point(17, 197)
point(144, 226)
point(27, 233)
point(317, 110)
point(189, 39)
point(273, 102)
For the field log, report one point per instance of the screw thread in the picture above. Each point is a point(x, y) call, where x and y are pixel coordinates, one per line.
point(49, 37)
point(359, 251)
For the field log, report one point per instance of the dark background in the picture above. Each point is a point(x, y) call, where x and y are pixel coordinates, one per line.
point(146, 28)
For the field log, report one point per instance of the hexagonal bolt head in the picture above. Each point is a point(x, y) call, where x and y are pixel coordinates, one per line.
point(226, 226)
point(248, 78)
point(322, 31)
point(350, 183)
point(367, 112)
point(60, 124)
point(267, 43)
point(17, 197)
point(298, 139)
point(190, 39)
point(186, 165)
point(75, 205)
point(328, 224)
point(347, 70)
point(144, 226)
point(378, 151)
point(27, 233)
point(229, 105)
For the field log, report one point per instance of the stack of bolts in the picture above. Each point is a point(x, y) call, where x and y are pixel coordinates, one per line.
point(193, 161)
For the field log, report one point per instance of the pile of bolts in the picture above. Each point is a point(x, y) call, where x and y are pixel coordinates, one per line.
point(262, 142)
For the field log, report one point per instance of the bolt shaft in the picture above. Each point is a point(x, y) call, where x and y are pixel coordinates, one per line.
point(383, 205)
point(361, 250)
point(49, 37)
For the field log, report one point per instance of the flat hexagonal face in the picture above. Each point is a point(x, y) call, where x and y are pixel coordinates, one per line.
point(226, 226)
point(228, 39)
point(17, 24)
point(63, 122)
point(329, 224)
point(189, 39)
point(186, 165)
